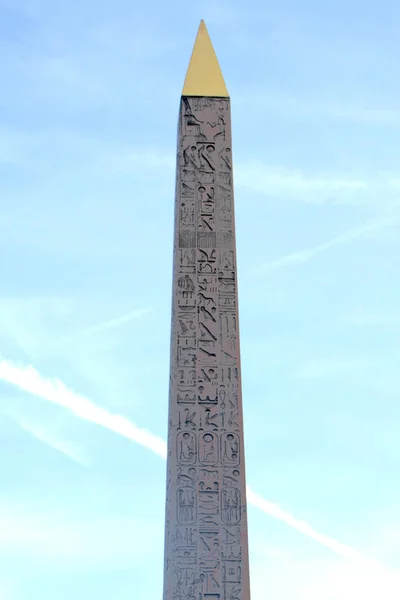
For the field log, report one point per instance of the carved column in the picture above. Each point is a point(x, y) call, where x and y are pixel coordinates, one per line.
point(206, 546)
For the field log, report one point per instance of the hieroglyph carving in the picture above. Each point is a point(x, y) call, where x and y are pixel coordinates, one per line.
point(206, 553)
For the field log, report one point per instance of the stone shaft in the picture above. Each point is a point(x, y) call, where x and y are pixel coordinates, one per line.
point(206, 547)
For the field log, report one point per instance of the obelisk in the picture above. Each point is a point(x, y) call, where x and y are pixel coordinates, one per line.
point(206, 547)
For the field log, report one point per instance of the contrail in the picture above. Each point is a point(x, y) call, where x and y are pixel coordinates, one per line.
point(111, 323)
point(27, 378)
point(49, 437)
point(53, 390)
point(265, 179)
point(305, 528)
point(302, 256)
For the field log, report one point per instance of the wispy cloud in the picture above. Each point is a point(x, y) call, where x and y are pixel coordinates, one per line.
point(148, 160)
point(265, 179)
point(47, 533)
point(362, 318)
point(377, 574)
point(305, 528)
point(6, 590)
point(334, 367)
point(303, 256)
point(53, 390)
point(365, 115)
point(49, 436)
point(303, 578)
point(31, 322)
point(318, 109)
point(111, 323)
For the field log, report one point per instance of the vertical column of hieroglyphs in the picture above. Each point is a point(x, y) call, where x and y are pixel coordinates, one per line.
point(181, 509)
point(206, 522)
point(208, 576)
point(234, 540)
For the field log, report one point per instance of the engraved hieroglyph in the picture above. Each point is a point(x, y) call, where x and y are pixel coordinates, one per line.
point(206, 546)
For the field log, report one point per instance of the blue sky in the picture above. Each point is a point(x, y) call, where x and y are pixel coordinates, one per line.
point(88, 114)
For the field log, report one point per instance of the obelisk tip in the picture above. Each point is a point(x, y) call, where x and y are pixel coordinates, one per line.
point(204, 76)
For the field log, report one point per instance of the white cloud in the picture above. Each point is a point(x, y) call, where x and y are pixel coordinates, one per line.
point(318, 109)
point(303, 578)
point(364, 115)
point(48, 435)
point(362, 317)
point(28, 321)
point(6, 589)
point(112, 323)
point(13, 145)
point(305, 528)
point(128, 160)
point(270, 180)
point(303, 256)
point(67, 538)
point(53, 390)
point(337, 367)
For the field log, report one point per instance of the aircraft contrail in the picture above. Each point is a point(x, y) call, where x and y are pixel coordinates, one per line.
point(302, 256)
point(27, 378)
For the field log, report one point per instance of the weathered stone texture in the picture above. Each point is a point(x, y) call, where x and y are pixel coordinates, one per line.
point(206, 548)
